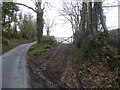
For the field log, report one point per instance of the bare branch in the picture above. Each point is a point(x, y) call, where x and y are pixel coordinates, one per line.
point(48, 25)
point(71, 11)
point(48, 5)
point(26, 6)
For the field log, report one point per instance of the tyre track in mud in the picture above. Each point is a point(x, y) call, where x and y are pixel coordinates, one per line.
point(55, 67)
point(56, 70)
point(38, 80)
point(49, 58)
point(69, 76)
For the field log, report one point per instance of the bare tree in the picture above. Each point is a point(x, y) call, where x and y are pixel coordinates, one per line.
point(27, 26)
point(71, 11)
point(48, 25)
point(39, 10)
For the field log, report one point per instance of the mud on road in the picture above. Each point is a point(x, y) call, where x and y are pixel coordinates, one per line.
point(54, 68)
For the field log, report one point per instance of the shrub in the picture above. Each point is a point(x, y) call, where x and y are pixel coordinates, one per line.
point(97, 46)
point(50, 40)
point(5, 41)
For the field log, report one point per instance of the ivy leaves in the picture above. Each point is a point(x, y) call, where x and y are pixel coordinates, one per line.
point(8, 10)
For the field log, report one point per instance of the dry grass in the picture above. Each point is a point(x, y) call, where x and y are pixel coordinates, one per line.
point(12, 44)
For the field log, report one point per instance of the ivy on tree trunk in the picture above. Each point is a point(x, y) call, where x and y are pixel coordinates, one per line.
point(39, 25)
point(39, 12)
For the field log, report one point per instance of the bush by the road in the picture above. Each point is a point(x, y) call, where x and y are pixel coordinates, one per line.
point(50, 40)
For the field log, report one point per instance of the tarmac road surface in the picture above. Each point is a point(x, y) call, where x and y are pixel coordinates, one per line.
point(14, 68)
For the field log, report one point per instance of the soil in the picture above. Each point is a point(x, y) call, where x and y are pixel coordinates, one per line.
point(57, 68)
point(96, 74)
point(54, 70)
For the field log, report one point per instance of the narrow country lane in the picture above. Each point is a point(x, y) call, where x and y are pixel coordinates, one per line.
point(14, 68)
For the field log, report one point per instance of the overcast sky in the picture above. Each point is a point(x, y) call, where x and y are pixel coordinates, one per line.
point(63, 28)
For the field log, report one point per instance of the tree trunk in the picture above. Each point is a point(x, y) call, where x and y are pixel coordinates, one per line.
point(48, 32)
point(39, 13)
point(89, 19)
point(39, 26)
point(39, 22)
point(95, 18)
point(102, 19)
point(83, 17)
point(15, 25)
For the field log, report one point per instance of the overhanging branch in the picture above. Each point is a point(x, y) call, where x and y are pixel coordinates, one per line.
point(26, 6)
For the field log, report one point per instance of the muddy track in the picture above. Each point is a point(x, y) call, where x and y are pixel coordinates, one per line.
point(49, 58)
point(55, 69)
point(69, 76)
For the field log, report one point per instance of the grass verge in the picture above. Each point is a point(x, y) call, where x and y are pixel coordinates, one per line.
point(12, 43)
point(47, 42)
